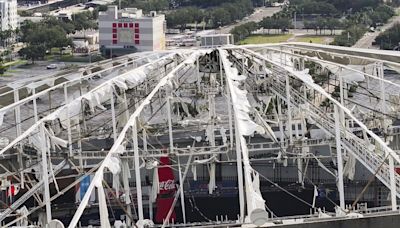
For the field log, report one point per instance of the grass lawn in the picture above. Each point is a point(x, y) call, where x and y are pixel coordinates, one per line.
point(76, 58)
point(312, 39)
point(261, 39)
point(15, 62)
point(13, 71)
point(55, 50)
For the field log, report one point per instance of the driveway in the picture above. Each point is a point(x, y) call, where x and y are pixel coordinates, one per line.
point(257, 16)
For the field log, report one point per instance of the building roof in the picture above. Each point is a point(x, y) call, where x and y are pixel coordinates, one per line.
point(205, 32)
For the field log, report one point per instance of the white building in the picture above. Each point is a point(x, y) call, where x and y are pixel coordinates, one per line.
point(8, 15)
point(128, 30)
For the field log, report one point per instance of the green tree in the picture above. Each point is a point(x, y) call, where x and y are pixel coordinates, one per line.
point(3, 69)
point(267, 23)
point(332, 24)
point(67, 26)
point(220, 17)
point(33, 52)
point(157, 5)
point(321, 24)
point(242, 31)
point(218, 13)
point(85, 20)
point(350, 35)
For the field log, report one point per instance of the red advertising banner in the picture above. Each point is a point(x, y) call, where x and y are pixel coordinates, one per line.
point(167, 191)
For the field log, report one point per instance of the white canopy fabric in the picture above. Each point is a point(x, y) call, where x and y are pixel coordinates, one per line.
point(93, 98)
point(121, 138)
point(320, 90)
point(246, 126)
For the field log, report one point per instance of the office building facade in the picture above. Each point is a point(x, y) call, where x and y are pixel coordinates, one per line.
point(8, 15)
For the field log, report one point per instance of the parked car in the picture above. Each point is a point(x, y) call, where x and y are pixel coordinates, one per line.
point(51, 66)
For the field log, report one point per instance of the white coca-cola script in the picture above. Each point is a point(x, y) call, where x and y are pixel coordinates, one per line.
point(167, 185)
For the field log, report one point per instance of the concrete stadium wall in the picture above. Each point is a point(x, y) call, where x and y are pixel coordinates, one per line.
point(383, 221)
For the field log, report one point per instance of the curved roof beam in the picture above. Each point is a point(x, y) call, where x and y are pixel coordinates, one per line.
point(68, 107)
point(337, 103)
point(20, 84)
point(115, 149)
point(338, 65)
point(44, 92)
point(335, 50)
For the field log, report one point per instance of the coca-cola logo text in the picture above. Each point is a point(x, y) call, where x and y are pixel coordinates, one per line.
point(167, 185)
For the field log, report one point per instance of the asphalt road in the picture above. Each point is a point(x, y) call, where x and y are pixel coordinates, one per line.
point(369, 37)
point(33, 72)
point(257, 16)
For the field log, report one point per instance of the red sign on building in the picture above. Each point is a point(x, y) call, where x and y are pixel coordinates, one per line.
point(134, 27)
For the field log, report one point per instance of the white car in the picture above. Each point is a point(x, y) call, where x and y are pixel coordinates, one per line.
point(51, 67)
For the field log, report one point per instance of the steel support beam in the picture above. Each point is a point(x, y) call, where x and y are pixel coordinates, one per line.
point(340, 184)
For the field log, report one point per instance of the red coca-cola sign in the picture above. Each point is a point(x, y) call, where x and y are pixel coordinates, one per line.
point(167, 191)
point(167, 185)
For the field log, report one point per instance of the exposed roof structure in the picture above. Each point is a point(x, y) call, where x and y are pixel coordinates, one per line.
point(199, 107)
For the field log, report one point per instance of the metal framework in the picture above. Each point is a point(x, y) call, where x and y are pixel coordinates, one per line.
point(198, 106)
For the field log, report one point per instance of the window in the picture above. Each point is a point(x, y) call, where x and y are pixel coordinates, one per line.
point(114, 30)
point(125, 25)
point(136, 30)
point(114, 41)
point(114, 25)
point(136, 36)
point(130, 25)
point(114, 36)
point(119, 25)
point(136, 25)
point(137, 42)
